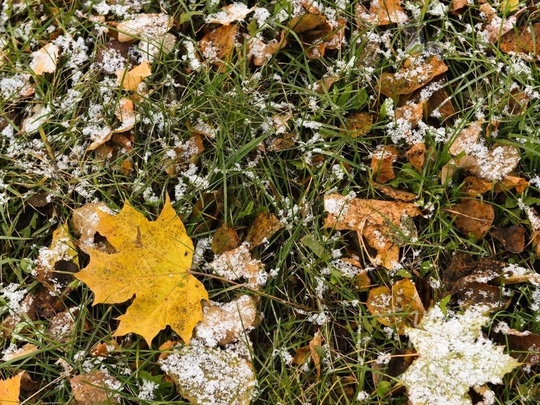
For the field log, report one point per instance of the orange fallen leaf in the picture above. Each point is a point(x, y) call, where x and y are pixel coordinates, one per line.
point(440, 105)
point(217, 46)
point(382, 162)
point(95, 387)
point(383, 12)
point(380, 222)
point(45, 59)
point(415, 73)
point(151, 262)
point(416, 156)
point(394, 193)
point(472, 217)
point(131, 79)
point(359, 123)
point(263, 227)
point(524, 39)
point(125, 114)
point(10, 390)
point(400, 306)
point(306, 22)
point(225, 239)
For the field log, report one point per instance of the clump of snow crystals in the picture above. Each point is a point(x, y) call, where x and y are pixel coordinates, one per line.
point(207, 375)
point(453, 356)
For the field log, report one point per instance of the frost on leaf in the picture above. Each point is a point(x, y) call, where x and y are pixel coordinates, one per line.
point(379, 222)
point(383, 12)
point(45, 59)
point(95, 387)
point(238, 263)
point(207, 375)
point(151, 261)
point(453, 356)
point(130, 80)
point(10, 389)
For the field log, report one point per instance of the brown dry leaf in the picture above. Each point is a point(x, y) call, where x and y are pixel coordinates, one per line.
point(225, 239)
point(476, 294)
point(473, 217)
point(63, 326)
point(512, 182)
point(55, 263)
point(95, 387)
point(512, 238)
point(224, 323)
point(416, 156)
point(102, 349)
point(475, 186)
point(523, 346)
point(217, 46)
point(130, 80)
point(188, 152)
point(45, 59)
point(466, 139)
point(306, 353)
point(306, 22)
point(377, 221)
point(361, 280)
point(238, 263)
point(411, 112)
point(440, 105)
point(382, 12)
point(415, 73)
point(458, 6)
point(524, 39)
point(263, 227)
point(22, 352)
point(395, 193)
point(382, 162)
point(10, 390)
point(125, 114)
point(152, 262)
point(401, 299)
point(359, 123)
point(144, 26)
point(230, 13)
point(260, 52)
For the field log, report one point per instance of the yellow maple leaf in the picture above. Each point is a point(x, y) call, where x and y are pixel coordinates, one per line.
point(151, 262)
point(10, 389)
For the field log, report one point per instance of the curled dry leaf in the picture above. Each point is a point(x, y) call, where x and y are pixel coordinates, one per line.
point(524, 39)
point(145, 26)
point(218, 44)
point(263, 227)
point(382, 163)
point(95, 387)
point(130, 80)
point(382, 12)
point(224, 323)
point(205, 375)
point(45, 59)
point(55, 263)
point(125, 114)
point(475, 186)
point(238, 263)
point(378, 221)
point(225, 239)
point(512, 238)
point(230, 13)
point(416, 156)
point(359, 123)
point(415, 73)
point(395, 193)
point(473, 217)
point(301, 355)
point(399, 307)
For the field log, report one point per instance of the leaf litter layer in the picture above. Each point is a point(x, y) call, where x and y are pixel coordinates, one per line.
point(263, 123)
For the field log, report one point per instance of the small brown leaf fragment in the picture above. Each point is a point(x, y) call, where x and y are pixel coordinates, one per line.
point(473, 217)
point(400, 307)
point(382, 12)
point(512, 182)
point(411, 113)
point(263, 227)
point(217, 46)
point(458, 6)
point(359, 123)
point(415, 73)
point(439, 105)
point(225, 239)
point(524, 39)
point(95, 387)
point(395, 193)
point(466, 139)
point(512, 238)
point(382, 162)
point(313, 344)
point(523, 346)
point(475, 186)
point(125, 114)
point(448, 171)
point(306, 22)
point(534, 220)
point(260, 52)
point(45, 59)
point(131, 79)
point(223, 323)
point(476, 294)
point(23, 351)
point(416, 156)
